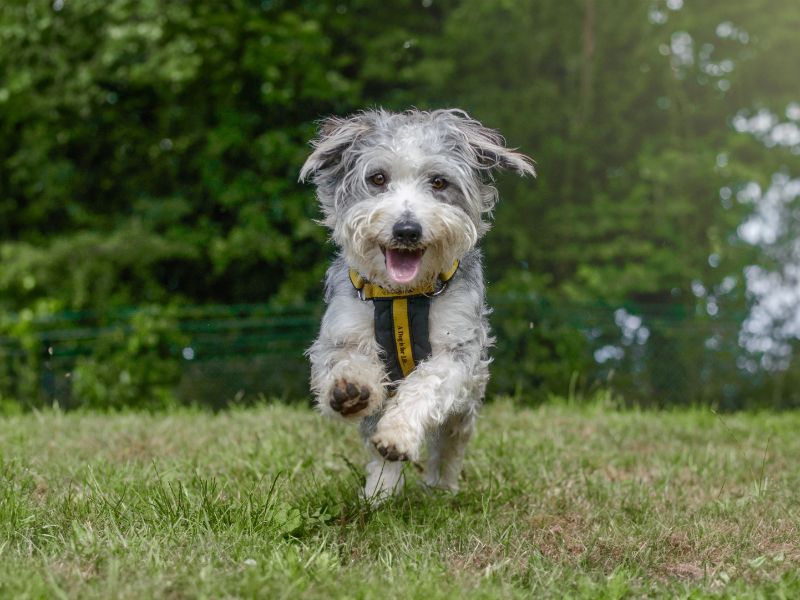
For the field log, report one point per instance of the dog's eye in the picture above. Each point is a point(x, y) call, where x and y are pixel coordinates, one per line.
point(439, 183)
point(378, 179)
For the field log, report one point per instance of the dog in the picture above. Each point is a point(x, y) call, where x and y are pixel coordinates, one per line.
point(403, 345)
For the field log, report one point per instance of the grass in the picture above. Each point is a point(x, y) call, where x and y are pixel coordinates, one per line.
point(556, 501)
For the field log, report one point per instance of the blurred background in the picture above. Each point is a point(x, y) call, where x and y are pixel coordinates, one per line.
point(155, 246)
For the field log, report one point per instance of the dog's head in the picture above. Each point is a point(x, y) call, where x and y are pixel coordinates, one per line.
point(405, 194)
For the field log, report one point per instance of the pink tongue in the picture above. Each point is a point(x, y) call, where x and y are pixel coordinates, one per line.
point(403, 265)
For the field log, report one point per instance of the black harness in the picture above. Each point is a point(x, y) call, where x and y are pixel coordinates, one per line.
point(402, 321)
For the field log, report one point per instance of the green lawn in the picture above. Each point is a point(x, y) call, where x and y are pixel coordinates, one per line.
point(583, 502)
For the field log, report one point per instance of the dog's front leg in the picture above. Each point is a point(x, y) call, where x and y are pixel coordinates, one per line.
point(345, 382)
point(439, 387)
point(346, 372)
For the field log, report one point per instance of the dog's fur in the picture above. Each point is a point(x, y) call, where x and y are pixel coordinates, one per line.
point(438, 401)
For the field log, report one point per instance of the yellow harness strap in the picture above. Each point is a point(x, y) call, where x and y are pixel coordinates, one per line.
point(402, 335)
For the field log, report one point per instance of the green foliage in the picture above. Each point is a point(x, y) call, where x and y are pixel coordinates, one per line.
point(542, 347)
point(89, 268)
point(136, 366)
point(161, 143)
point(22, 354)
point(133, 360)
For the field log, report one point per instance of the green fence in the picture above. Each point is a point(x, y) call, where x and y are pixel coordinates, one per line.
point(210, 355)
point(214, 355)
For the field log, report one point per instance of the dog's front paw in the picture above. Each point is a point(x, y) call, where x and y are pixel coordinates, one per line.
point(396, 442)
point(349, 398)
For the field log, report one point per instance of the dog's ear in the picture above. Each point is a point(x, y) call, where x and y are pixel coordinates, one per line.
point(335, 135)
point(489, 147)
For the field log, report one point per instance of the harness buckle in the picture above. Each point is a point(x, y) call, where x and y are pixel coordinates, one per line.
point(439, 291)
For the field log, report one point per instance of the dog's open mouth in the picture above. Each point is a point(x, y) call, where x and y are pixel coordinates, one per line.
point(403, 265)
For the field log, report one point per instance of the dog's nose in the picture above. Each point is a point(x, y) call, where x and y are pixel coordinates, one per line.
point(407, 232)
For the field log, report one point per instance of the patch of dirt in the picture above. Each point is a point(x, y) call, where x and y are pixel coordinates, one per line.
point(556, 536)
point(685, 571)
point(484, 558)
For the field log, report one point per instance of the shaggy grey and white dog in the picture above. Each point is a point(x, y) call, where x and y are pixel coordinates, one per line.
point(405, 196)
